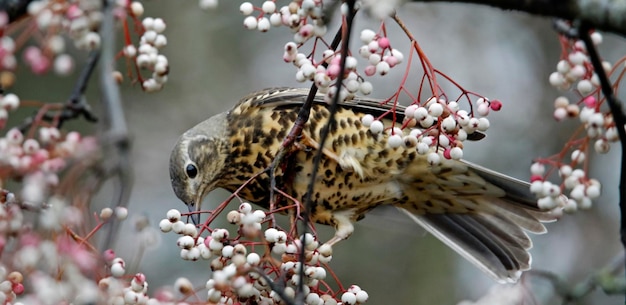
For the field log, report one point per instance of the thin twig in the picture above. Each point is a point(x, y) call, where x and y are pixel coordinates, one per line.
point(599, 279)
point(294, 133)
point(76, 105)
point(280, 290)
point(308, 204)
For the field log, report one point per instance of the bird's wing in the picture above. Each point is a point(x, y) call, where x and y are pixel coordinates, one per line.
point(292, 97)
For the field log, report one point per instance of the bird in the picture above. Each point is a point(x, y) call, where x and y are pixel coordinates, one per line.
point(483, 215)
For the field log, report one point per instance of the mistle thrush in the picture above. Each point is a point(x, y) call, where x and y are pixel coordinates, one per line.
point(481, 214)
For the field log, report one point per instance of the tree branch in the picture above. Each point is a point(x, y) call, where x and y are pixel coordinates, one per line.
point(618, 117)
point(607, 15)
point(76, 105)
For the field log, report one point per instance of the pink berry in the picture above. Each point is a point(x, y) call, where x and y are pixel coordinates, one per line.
point(383, 43)
point(392, 60)
point(590, 101)
point(306, 30)
point(140, 278)
point(41, 65)
point(108, 255)
point(73, 12)
point(495, 105)
point(31, 54)
point(534, 178)
point(446, 153)
point(18, 288)
point(333, 70)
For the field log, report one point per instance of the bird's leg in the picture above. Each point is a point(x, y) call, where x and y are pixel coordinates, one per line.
point(346, 161)
point(343, 227)
point(307, 141)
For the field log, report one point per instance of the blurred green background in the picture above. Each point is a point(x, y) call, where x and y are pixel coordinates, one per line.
point(506, 55)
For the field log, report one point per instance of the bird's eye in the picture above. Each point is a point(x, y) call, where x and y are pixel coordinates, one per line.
point(191, 171)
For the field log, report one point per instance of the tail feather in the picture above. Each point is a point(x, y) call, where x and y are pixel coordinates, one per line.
point(476, 243)
point(481, 214)
point(518, 215)
point(512, 235)
point(517, 191)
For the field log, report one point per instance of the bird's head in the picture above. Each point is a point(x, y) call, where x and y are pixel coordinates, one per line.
point(197, 161)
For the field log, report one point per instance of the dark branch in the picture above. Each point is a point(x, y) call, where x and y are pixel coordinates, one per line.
point(345, 47)
point(76, 106)
point(618, 117)
point(608, 15)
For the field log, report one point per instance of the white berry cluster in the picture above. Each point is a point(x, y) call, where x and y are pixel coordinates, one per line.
point(582, 189)
point(38, 161)
point(249, 220)
point(599, 125)
point(302, 17)
point(576, 69)
point(55, 270)
point(55, 267)
point(236, 262)
point(192, 246)
point(80, 20)
point(377, 51)
point(147, 54)
point(117, 289)
point(436, 128)
point(11, 285)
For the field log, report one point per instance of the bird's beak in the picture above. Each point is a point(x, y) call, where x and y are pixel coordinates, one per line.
point(195, 217)
point(194, 206)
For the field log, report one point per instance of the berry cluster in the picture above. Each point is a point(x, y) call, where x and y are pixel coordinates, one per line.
point(38, 161)
point(378, 52)
point(304, 18)
point(597, 131)
point(53, 264)
point(576, 69)
point(243, 264)
point(117, 289)
point(147, 54)
point(436, 128)
point(50, 21)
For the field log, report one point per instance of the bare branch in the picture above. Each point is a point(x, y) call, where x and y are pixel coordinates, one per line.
point(618, 116)
point(608, 15)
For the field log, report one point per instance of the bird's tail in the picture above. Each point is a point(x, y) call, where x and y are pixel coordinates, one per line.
point(491, 233)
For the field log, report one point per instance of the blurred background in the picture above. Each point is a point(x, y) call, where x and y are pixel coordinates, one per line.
point(214, 61)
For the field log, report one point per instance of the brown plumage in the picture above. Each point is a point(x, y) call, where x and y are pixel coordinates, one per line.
point(481, 214)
